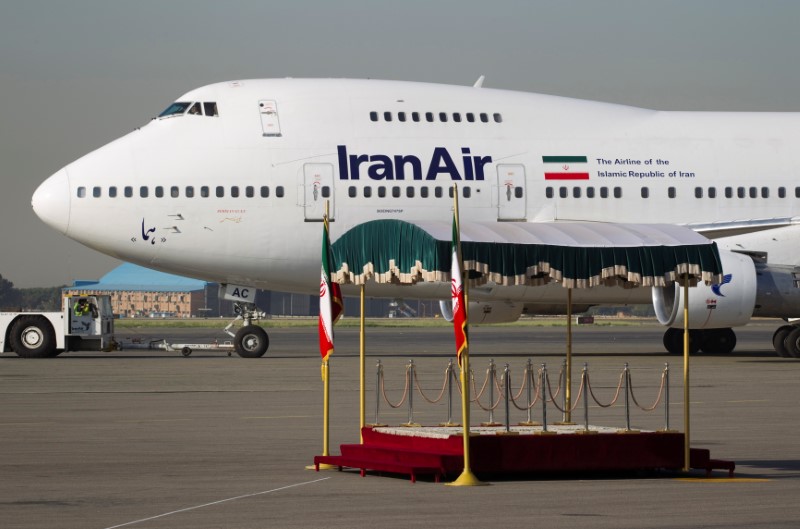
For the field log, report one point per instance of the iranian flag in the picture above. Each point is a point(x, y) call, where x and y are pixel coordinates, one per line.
point(330, 298)
point(457, 295)
point(565, 167)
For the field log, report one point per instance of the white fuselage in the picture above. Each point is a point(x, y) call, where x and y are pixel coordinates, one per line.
point(279, 149)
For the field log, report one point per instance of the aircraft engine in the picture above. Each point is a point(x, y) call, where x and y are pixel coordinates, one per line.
point(726, 305)
point(778, 293)
point(485, 311)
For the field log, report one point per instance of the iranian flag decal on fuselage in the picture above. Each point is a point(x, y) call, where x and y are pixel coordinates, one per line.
point(565, 168)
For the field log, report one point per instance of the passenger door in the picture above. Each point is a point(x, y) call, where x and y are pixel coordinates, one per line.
point(318, 188)
point(511, 192)
point(270, 124)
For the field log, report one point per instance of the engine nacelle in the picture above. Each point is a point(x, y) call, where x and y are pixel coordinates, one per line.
point(728, 304)
point(485, 311)
point(778, 294)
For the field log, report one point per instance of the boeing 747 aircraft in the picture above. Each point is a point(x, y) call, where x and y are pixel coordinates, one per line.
point(228, 184)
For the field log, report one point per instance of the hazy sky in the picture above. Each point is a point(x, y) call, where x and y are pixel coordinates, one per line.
point(76, 74)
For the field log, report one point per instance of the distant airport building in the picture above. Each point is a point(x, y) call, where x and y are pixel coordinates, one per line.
point(138, 292)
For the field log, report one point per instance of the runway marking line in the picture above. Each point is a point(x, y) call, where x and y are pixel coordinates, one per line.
point(135, 421)
point(280, 417)
point(139, 421)
point(217, 502)
point(724, 480)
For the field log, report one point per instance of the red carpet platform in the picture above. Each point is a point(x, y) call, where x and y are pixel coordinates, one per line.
point(438, 452)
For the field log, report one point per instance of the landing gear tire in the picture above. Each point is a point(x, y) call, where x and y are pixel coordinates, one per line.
point(673, 341)
point(779, 338)
point(251, 341)
point(719, 341)
point(186, 351)
point(792, 342)
point(33, 337)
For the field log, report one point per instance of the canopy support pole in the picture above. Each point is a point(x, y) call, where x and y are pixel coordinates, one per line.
point(362, 368)
point(686, 442)
point(568, 374)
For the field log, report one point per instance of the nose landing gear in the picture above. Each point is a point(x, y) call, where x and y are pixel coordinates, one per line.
point(250, 341)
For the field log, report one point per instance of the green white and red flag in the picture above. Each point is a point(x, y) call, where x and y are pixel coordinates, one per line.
point(565, 167)
point(457, 295)
point(330, 298)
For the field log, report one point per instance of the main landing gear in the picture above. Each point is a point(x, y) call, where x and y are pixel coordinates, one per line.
point(786, 341)
point(715, 341)
point(250, 341)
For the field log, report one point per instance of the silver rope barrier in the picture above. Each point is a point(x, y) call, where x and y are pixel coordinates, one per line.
point(492, 377)
point(478, 394)
point(627, 377)
point(379, 376)
point(409, 381)
point(562, 378)
point(507, 388)
point(383, 390)
point(584, 380)
point(450, 375)
point(666, 396)
point(529, 385)
point(542, 384)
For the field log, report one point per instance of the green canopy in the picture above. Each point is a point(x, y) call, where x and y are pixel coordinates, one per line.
point(575, 254)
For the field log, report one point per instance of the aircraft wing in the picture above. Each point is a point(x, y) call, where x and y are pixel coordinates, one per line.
point(717, 230)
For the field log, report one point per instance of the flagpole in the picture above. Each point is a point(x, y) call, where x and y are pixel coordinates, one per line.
point(467, 478)
point(326, 392)
point(325, 368)
point(326, 379)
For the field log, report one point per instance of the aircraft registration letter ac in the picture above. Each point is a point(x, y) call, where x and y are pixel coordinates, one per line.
point(239, 293)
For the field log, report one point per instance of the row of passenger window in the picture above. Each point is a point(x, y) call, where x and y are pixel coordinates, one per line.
point(411, 191)
point(424, 192)
point(563, 192)
point(188, 191)
point(264, 191)
point(441, 117)
point(672, 192)
point(738, 192)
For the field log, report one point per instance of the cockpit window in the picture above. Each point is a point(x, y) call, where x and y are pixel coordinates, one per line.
point(175, 109)
point(179, 108)
point(210, 109)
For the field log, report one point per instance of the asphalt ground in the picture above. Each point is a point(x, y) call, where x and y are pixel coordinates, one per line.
point(150, 439)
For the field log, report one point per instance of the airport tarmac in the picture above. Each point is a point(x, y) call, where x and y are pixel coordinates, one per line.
point(150, 439)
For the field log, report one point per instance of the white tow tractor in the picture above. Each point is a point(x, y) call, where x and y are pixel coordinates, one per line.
point(85, 323)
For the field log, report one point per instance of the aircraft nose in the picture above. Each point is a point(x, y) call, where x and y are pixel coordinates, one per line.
point(51, 200)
